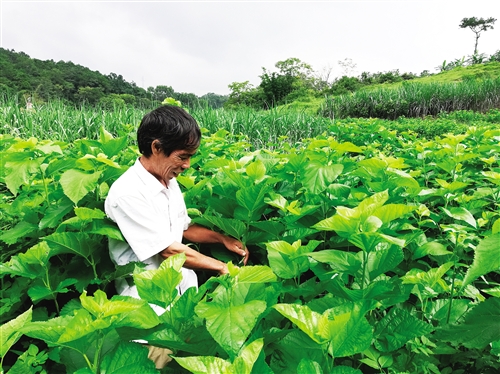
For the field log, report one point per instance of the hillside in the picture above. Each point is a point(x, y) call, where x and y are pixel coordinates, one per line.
point(41, 81)
point(489, 70)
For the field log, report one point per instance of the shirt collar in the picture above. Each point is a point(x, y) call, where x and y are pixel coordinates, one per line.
point(149, 180)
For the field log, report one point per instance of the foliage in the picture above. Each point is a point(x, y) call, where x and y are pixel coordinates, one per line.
point(372, 251)
point(44, 81)
point(477, 25)
point(416, 100)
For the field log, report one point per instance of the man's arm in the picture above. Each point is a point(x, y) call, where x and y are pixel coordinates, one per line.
point(198, 261)
point(199, 234)
point(194, 259)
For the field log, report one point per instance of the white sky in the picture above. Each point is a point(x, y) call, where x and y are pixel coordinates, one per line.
point(203, 46)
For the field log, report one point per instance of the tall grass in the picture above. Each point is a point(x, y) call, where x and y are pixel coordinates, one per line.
point(416, 100)
point(262, 129)
point(58, 121)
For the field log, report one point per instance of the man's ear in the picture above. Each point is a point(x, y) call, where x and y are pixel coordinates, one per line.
point(156, 146)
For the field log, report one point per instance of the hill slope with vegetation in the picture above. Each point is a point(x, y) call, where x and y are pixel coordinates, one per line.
point(41, 81)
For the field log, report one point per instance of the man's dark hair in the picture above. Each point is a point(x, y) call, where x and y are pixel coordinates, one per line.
point(172, 126)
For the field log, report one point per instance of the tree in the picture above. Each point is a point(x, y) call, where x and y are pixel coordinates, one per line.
point(477, 25)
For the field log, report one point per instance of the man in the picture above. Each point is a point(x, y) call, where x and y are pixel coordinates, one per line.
point(147, 204)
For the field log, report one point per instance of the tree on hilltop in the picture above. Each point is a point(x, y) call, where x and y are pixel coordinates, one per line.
point(477, 25)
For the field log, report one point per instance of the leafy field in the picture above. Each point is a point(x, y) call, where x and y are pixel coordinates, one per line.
point(373, 251)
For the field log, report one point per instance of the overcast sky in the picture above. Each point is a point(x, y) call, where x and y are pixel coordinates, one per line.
point(203, 46)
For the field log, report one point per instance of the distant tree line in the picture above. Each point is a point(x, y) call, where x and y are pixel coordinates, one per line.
point(41, 81)
point(296, 80)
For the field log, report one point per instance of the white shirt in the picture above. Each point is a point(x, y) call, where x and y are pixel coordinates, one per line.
point(151, 217)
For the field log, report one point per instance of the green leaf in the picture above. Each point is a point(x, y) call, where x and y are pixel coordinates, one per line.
point(21, 230)
point(256, 170)
point(486, 258)
point(159, 286)
point(306, 320)
point(204, 364)
point(252, 274)
point(71, 242)
point(232, 227)
point(285, 259)
point(54, 214)
point(396, 328)
point(345, 370)
point(76, 184)
point(343, 226)
point(127, 358)
point(495, 228)
point(461, 214)
point(31, 264)
point(120, 310)
point(21, 170)
point(252, 198)
point(87, 214)
point(431, 248)
point(112, 147)
point(318, 177)
point(349, 331)
point(479, 328)
point(230, 318)
point(390, 212)
point(11, 331)
point(309, 366)
point(340, 261)
point(384, 260)
point(248, 355)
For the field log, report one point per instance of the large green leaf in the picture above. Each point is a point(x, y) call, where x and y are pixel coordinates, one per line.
point(120, 310)
point(76, 184)
point(232, 227)
point(432, 248)
point(289, 348)
point(32, 264)
point(256, 170)
point(318, 177)
point(306, 320)
point(461, 214)
point(230, 318)
point(252, 198)
point(159, 286)
point(11, 331)
point(71, 242)
point(343, 226)
point(384, 260)
point(248, 355)
point(21, 170)
point(349, 331)
point(252, 274)
point(127, 358)
point(340, 261)
point(486, 259)
point(479, 328)
point(205, 365)
point(19, 231)
point(285, 259)
point(396, 328)
point(390, 212)
point(344, 329)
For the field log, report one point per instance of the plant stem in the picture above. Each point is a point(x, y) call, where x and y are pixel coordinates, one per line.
point(451, 294)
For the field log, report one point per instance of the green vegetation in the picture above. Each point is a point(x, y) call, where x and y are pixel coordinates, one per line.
point(42, 81)
point(262, 128)
point(374, 242)
point(373, 251)
point(416, 100)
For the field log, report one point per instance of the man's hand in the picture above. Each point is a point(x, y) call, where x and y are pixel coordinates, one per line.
point(236, 246)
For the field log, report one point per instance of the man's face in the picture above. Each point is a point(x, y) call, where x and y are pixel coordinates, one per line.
point(168, 167)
